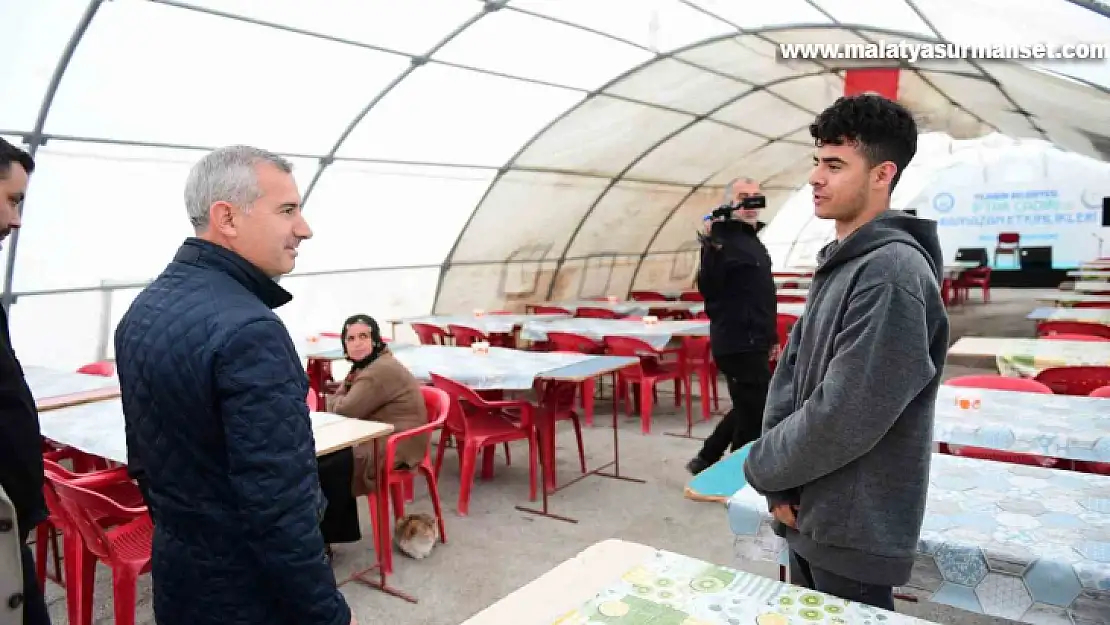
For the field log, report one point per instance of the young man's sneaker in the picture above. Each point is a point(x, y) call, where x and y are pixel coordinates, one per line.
point(697, 465)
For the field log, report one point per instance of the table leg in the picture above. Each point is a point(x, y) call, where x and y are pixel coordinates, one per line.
point(549, 406)
point(382, 542)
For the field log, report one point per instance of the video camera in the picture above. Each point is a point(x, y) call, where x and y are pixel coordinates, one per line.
point(752, 202)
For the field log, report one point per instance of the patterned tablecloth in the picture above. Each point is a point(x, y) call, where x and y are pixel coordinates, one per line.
point(504, 369)
point(46, 382)
point(1090, 315)
point(672, 589)
point(1062, 426)
point(658, 334)
point(1024, 543)
point(488, 324)
point(1028, 357)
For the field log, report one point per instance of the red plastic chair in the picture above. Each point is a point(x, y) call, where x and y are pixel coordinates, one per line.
point(475, 423)
point(589, 312)
point(980, 277)
point(429, 334)
point(1102, 391)
point(647, 296)
point(691, 296)
point(1074, 380)
point(784, 323)
point(700, 361)
point(1090, 331)
point(1099, 305)
point(1000, 383)
point(438, 404)
point(102, 367)
point(649, 372)
point(578, 344)
point(125, 548)
point(550, 310)
point(790, 299)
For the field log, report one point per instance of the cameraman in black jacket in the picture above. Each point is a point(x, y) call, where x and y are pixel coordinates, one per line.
point(739, 289)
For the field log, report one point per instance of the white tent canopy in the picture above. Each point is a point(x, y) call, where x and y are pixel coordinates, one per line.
point(456, 154)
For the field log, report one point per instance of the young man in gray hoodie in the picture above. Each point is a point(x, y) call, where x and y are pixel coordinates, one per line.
point(848, 429)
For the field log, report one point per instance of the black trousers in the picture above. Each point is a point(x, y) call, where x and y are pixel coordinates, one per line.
point(34, 605)
point(802, 573)
point(748, 375)
point(340, 521)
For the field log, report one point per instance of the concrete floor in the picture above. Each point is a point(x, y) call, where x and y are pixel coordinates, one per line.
point(497, 549)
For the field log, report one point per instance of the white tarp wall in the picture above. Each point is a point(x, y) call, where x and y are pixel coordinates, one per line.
point(457, 154)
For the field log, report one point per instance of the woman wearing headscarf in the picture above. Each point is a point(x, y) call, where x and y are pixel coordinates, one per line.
point(378, 388)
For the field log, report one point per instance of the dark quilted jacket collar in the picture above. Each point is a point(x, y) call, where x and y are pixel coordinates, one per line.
point(201, 253)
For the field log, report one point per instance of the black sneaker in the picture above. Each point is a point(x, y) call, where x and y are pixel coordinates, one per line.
point(697, 465)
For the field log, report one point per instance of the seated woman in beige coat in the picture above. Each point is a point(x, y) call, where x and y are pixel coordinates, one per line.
point(378, 388)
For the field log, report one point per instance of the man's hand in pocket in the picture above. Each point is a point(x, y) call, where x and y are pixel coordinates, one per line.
point(786, 514)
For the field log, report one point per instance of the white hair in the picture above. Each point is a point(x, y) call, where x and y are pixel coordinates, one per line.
point(732, 184)
point(227, 175)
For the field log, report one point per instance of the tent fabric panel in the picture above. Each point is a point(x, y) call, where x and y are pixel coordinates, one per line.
point(110, 91)
point(601, 136)
point(766, 113)
point(1053, 98)
point(934, 111)
point(39, 31)
point(37, 321)
point(524, 211)
point(441, 114)
point(679, 85)
point(76, 184)
point(321, 302)
point(888, 14)
point(411, 26)
point(508, 285)
point(383, 215)
point(756, 15)
point(749, 58)
point(595, 276)
point(514, 43)
point(624, 219)
point(811, 93)
point(696, 153)
point(763, 163)
point(658, 26)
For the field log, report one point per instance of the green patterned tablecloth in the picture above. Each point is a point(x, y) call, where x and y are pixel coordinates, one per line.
point(672, 589)
point(1027, 358)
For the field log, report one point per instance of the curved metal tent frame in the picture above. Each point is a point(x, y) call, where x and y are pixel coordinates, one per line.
point(38, 136)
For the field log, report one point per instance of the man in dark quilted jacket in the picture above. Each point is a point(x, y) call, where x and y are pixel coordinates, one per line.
point(218, 431)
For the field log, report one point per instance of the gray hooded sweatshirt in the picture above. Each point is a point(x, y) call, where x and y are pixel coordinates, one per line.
point(848, 428)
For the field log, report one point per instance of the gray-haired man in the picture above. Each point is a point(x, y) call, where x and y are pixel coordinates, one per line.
point(218, 431)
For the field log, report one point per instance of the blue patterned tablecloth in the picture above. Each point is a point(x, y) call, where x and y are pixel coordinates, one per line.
point(658, 334)
point(501, 368)
point(1062, 426)
point(1024, 543)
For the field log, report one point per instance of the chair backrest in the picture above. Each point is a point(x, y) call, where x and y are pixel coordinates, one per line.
point(102, 367)
point(313, 400)
point(999, 383)
point(465, 337)
point(570, 342)
point(437, 403)
point(550, 310)
point(1092, 331)
point(589, 312)
point(647, 296)
point(1074, 380)
point(83, 505)
point(691, 296)
point(790, 299)
point(1102, 391)
point(1009, 238)
point(429, 334)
